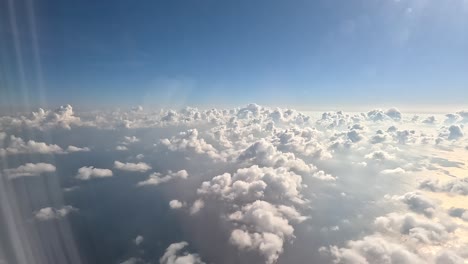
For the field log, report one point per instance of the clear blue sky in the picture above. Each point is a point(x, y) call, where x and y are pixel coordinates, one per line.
point(202, 52)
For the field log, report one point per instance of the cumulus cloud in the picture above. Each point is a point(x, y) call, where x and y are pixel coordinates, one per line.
point(77, 149)
point(190, 142)
point(456, 186)
point(455, 132)
point(87, 173)
point(157, 178)
point(374, 249)
point(30, 169)
point(418, 203)
point(252, 183)
point(62, 117)
point(197, 206)
point(49, 213)
point(175, 204)
point(128, 166)
point(174, 255)
point(19, 146)
point(268, 183)
point(459, 212)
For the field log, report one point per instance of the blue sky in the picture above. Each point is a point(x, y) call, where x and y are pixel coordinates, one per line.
point(211, 52)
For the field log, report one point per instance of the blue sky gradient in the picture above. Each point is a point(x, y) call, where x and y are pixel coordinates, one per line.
point(211, 52)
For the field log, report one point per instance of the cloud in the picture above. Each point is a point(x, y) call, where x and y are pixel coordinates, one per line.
point(77, 149)
point(456, 186)
point(456, 132)
point(121, 148)
point(49, 213)
point(157, 178)
point(128, 166)
point(175, 204)
point(87, 173)
point(418, 203)
point(19, 146)
point(374, 249)
point(459, 212)
point(189, 142)
point(62, 117)
point(429, 120)
point(139, 239)
point(129, 140)
point(197, 206)
point(173, 255)
point(252, 183)
point(30, 169)
point(266, 185)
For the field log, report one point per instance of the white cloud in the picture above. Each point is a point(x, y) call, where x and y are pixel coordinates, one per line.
point(49, 213)
point(456, 186)
point(139, 167)
point(87, 173)
point(197, 206)
point(77, 149)
point(418, 203)
point(175, 204)
point(157, 178)
point(173, 255)
point(19, 146)
point(121, 148)
point(30, 169)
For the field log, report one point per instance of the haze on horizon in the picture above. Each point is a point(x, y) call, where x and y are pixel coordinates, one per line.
point(408, 53)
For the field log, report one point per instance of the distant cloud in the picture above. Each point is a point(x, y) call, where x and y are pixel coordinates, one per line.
point(30, 169)
point(197, 206)
point(157, 178)
point(87, 173)
point(173, 255)
point(77, 149)
point(136, 167)
point(139, 239)
point(175, 204)
point(19, 146)
point(49, 213)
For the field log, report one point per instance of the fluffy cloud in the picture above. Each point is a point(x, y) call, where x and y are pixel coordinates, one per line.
point(62, 117)
point(173, 255)
point(87, 173)
point(176, 204)
point(456, 186)
point(459, 212)
point(157, 178)
point(30, 169)
point(49, 213)
point(128, 166)
point(271, 185)
point(455, 132)
point(190, 142)
point(19, 146)
point(418, 203)
point(250, 184)
point(374, 249)
point(77, 149)
point(197, 206)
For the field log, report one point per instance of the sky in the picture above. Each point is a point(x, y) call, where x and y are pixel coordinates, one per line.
point(306, 54)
